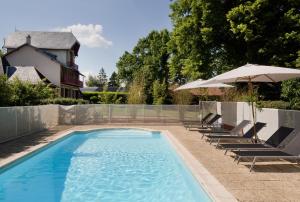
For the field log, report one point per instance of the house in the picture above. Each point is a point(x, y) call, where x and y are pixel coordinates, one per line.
point(49, 55)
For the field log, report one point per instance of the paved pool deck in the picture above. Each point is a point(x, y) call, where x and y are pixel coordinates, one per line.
point(275, 181)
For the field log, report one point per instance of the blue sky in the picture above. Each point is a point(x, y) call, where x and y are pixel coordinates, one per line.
point(113, 26)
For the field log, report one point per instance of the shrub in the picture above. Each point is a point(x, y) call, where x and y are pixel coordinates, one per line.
point(5, 91)
point(105, 97)
point(25, 93)
point(291, 92)
point(159, 92)
point(136, 94)
point(279, 104)
point(64, 101)
point(183, 97)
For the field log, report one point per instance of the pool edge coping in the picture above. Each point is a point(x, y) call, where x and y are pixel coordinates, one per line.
point(210, 184)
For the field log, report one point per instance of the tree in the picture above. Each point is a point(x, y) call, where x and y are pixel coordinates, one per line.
point(102, 77)
point(92, 81)
point(291, 92)
point(149, 59)
point(136, 93)
point(201, 43)
point(268, 30)
point(1, 53)
point(113, 80)
point(210, 37)
point(159, 92)
point(97, 81)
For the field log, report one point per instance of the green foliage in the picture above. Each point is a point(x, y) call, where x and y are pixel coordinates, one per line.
point(201, 43)
point(275, 104)
point(1, 53)
point(113, 80)
point(99, 81)
point(136, 94)
point(92, 81)
point(159, 92)
point(25, 93)
point(149, 60)
point(102, 77)
point(183, 97)
point(5, 91)
point(105, 97)
point(269, 31)
point(291, 92)
point(109, 98)
point(64, 101)
point(211, 37)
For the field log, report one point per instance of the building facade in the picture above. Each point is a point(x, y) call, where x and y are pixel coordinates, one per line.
point(52, 54)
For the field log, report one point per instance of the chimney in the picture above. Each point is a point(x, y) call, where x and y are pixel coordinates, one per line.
point(28, 39)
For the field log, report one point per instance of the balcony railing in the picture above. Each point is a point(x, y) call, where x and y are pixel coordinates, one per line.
point(72, 65)
point(71, 77)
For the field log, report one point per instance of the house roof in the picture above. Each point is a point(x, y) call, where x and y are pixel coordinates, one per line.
point(44, 40)
point(24, 73)
point(42, 52)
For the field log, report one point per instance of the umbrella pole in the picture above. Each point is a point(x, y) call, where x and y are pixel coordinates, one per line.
point(251, 92)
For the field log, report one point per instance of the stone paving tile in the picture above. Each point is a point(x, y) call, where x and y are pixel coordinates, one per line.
point(268, 182)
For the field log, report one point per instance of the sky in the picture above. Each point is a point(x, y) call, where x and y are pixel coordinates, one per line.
point(104, 28)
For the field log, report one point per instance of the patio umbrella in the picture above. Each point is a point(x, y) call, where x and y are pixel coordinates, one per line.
point(201, 84)
point(255, 73)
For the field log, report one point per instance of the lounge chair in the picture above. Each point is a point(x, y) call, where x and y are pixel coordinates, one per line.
point(203, 121)
point(234, 131)
point(265, 155)
point(274, 142)
point(247, 136)
point(208, 124)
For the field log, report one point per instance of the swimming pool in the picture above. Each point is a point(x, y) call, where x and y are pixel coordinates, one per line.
point(104, 165)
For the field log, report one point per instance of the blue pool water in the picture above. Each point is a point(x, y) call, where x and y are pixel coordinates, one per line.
point(105, 165)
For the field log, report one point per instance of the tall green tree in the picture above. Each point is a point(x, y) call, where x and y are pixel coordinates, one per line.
point(102, 77)
point(210, 37)
point(201, 43)
point(159, 92)
point(149, 59)
point(100, 80)
point(92, 81)
point(113, 80)
point(268, 31)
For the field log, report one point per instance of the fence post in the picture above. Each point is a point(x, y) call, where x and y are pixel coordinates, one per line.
point(109, 114)
point(16, 114)
point(143, 113)
point(161, 114)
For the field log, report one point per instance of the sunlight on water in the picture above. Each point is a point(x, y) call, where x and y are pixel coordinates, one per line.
point(108, 165)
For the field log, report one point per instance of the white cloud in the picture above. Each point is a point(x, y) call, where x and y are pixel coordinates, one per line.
point(88, 35)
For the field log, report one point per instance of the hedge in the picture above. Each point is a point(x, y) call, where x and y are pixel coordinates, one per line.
point(105, 97)
point(279, 104)
point(64, 101)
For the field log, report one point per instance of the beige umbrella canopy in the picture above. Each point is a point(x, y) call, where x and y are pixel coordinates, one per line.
point(201, 84)
point(255, 73)
point(197, 87)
